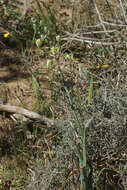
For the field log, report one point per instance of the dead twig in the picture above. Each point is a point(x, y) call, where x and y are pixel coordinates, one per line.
point(29, 114)
point(91, 41)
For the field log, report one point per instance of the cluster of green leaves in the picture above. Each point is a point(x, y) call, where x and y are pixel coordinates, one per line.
point(46, 27)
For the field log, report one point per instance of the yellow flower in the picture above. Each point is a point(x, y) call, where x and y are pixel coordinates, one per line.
point(6, 35)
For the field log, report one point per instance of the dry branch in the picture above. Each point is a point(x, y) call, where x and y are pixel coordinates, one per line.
point(29, 114)
point(92, 41)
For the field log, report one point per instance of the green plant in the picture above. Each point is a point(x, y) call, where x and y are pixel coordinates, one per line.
point(45, 26)
point(84, 169)
point(90, 96)
point(40, 103)
point(71, 60)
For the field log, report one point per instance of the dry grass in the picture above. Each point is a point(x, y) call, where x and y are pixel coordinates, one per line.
point(83, 85)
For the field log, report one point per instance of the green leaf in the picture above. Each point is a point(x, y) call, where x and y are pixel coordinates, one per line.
point(36, 88)
point(84, 148)
point(90, 92)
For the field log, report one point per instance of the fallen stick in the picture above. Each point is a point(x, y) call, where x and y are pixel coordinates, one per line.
point(29, 114)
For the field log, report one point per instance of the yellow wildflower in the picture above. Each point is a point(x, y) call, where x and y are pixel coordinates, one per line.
point(6, 35)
